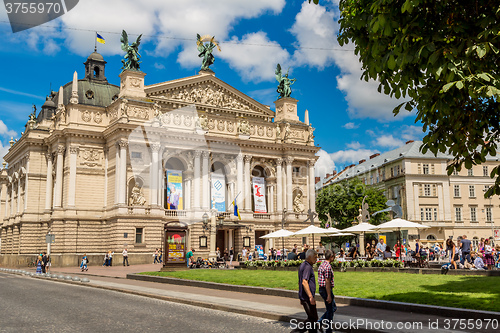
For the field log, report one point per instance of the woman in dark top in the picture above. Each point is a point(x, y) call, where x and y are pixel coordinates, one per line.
point(353, 252)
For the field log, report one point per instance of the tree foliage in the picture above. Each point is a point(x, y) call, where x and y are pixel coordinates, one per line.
point(343, 200)
point(442, 58)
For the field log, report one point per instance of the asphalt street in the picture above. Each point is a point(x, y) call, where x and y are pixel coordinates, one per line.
point(38, 305)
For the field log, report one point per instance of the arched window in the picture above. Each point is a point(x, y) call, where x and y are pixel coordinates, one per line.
point(431, 237)
point(97, 71)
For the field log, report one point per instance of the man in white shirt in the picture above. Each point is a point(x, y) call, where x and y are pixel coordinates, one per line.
point(125, 257)
point(381, 248)
point(244, 254)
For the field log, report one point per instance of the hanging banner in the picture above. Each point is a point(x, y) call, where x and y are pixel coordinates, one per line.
point(259, 194)
point(174, 189)
point(219, 192)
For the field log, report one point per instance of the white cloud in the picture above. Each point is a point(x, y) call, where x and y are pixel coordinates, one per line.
point(412, 133)
point(159, 66)
point(15, 92)
point(324, 164)
point(4, 131)
point(351, 126)
point(254, 63)
point(354, 145)
point(388, 141)
point(315, 27)
point(351, 155)
point(3, 150)
point(168, 25)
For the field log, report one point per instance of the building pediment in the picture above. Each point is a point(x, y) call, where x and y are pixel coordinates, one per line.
point(207, 91)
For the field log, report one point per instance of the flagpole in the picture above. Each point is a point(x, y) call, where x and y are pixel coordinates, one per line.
point(95, 42)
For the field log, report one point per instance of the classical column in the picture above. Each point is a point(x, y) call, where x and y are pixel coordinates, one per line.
point(18, 202)
point(289, 188)
point(117, 172)
point(239, 179)
point(196, 180)
point(153, 188)
point(123, 173)
point(161, 180)
point(312, 192)
point(12, 195)
point(271, 198)
point(205, 181)
point(187, 190)
point(73, 151)
point(26, 181)
point(279, 185)
point(106, 152)
point(59, 176)
point(248, 187)
point(49, 185)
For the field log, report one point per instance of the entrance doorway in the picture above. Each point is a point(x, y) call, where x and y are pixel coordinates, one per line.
point(258, 239)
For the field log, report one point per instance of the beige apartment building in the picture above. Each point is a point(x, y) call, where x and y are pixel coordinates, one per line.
point(104, 167)
point(451, 205)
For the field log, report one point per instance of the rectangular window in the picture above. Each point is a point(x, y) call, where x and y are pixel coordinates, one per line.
point(138, 235)
point(435, 214)
point(458, 214)
point(428, 214)
point(470, 173)
point(136, 154)
point(392, 172)
point(427, 190)
point(422, 214)
point(397, 170)
point(456, 190)
point(489, 215)
point(455, 172)
point(485, 171)
point(472, 191)
point(426, 169)
point(383, 174)
point(473, 214)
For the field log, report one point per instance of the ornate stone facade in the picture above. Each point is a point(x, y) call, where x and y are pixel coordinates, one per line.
point(98, 178)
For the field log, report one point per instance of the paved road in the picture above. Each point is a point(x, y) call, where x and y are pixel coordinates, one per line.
point(39, 305)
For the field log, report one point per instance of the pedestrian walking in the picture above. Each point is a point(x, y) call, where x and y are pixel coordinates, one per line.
point(244, 254)
point(47, 266)
point(307, 288)
point(39, 265)
point(189, 255)
point(125, 257)
point(84, 263)
point(465, 246)
point(44, 262)
point(155, 255)
point(326, 284)
point(106, 259)
point(231, 255)
point(454, 252)
point(488, 254)
point(111, 253)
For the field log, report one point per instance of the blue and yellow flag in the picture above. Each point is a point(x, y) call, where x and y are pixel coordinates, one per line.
point(236, 210)
point(100, 39)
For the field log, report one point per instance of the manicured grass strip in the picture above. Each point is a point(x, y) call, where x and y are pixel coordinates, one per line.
point(471, 292)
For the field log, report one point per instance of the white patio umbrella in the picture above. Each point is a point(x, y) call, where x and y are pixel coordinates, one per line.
point(398, 225)
point(279, 234)
point(313, 230)
point(361, 229)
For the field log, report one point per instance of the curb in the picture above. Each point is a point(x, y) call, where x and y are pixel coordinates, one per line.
point(254, 313)
point(387, 305)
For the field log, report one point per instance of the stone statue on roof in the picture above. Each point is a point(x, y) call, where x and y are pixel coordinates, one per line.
point(284, 86)
point(132, 57)
point(206, 50)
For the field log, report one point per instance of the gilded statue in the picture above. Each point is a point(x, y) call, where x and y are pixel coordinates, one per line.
point(284, 86)
point(206, 50)
point(298, 206)
point(132, 55)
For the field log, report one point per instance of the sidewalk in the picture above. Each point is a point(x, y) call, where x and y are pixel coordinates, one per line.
point(348, 318)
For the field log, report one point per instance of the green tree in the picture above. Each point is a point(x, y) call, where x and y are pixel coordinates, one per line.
point(442, 58)
point(343, 200)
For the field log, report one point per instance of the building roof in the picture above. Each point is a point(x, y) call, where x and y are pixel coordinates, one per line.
point(93, 93)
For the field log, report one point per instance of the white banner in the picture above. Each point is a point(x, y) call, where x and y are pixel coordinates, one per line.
point(259, 194)
point(219, 192)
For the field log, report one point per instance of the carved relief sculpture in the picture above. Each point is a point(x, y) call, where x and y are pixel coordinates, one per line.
point(244, 127)
point(298, 206)
point(137, 197)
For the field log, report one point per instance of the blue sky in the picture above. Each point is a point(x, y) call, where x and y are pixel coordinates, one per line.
point(352, 120)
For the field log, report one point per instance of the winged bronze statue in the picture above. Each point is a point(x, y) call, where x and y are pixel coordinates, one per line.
point(206, 50)
point(132, 56)
point(284, 88)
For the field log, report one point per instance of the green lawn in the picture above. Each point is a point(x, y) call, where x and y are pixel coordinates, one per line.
point(471, 292)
